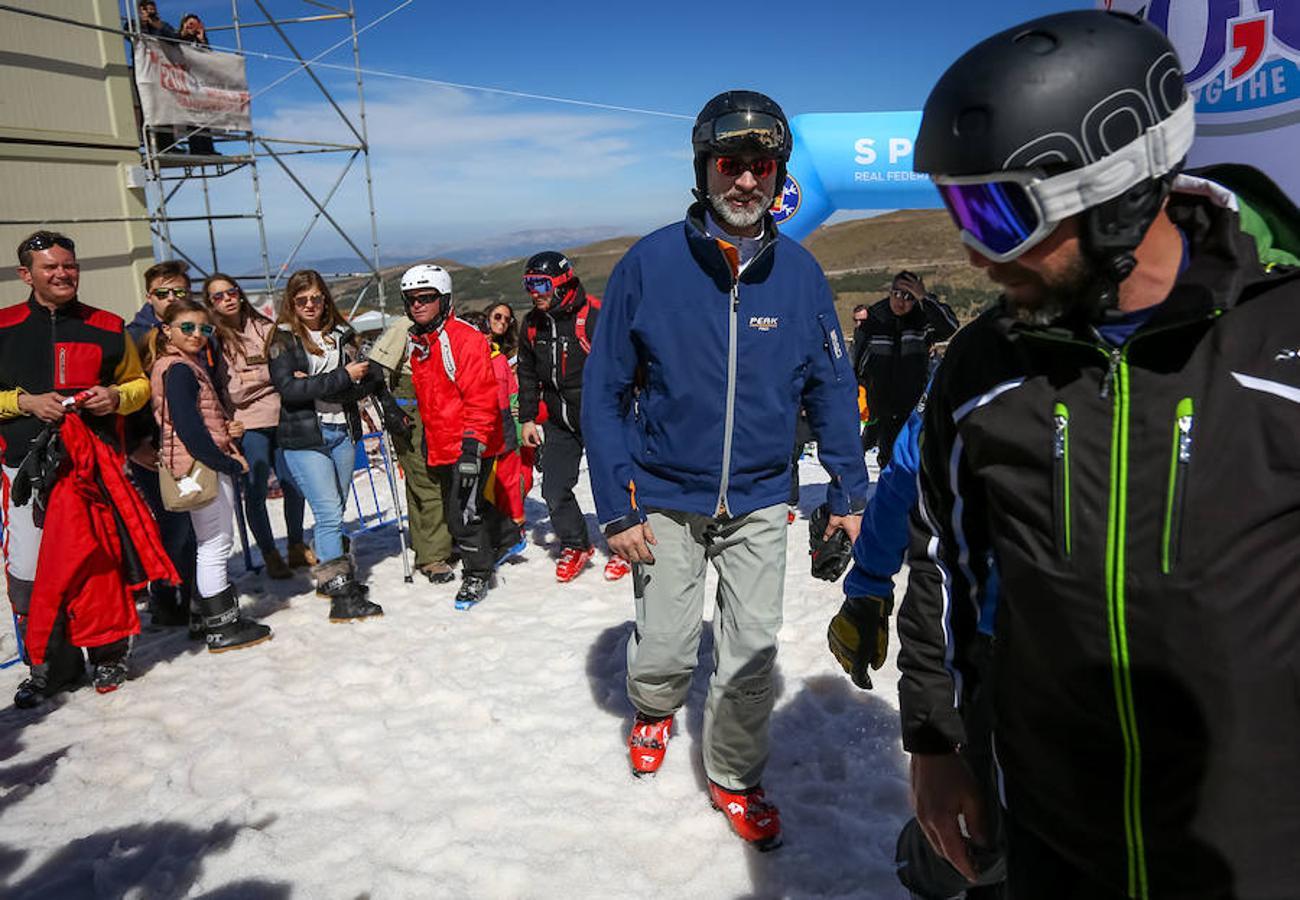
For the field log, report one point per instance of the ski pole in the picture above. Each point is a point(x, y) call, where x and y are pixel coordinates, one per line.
point(389, 453)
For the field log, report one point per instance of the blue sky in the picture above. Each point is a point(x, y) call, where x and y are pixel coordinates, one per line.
point(454, 166)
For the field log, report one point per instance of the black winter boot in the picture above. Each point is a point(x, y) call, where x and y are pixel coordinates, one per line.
point(225, 629)
point(337, 580)
point(352, 606)
point(332, 576)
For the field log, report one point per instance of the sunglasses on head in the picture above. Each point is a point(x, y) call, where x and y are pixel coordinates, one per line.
point(178, 293)
point(218, 296)
point(735, 166)
point(309, 300)
point(45, 241)
point(748, 128)
point(205, 329)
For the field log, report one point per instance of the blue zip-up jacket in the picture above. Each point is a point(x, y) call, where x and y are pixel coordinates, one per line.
point(695, 379)
point(882, 543)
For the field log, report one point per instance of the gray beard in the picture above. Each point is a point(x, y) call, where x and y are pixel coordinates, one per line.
point(738, 219)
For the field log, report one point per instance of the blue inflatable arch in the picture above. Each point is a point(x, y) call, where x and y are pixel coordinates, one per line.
point(851, 161)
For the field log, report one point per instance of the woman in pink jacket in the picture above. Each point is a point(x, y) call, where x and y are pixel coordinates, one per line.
point(241, 367)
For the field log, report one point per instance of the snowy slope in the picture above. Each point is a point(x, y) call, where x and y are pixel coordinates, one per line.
point(436, 753)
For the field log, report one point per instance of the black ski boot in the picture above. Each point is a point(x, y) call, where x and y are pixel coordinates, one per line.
point(225, 629)
point(472, 591)
point(337, 580)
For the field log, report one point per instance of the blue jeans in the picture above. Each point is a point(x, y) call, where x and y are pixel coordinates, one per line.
point(263, 453)
point(324, 475)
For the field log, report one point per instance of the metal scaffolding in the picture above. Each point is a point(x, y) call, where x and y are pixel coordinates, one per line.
point(176, 179)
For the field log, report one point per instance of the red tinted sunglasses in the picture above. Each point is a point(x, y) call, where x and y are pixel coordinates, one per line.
point(734, 166)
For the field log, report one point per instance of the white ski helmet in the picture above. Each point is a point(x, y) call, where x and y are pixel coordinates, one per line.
point(426, 276)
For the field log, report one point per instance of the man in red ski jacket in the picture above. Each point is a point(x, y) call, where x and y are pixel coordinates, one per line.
point(456, 391)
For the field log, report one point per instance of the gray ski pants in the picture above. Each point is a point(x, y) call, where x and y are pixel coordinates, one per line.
point(748, 553)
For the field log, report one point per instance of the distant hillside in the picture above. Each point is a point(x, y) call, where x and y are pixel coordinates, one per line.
point(860, 258)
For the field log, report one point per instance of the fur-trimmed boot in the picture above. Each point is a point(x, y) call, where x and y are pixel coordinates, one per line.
point(337, 580)
point(223, 627)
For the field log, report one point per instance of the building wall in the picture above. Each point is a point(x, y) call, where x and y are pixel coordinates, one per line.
point(67, 143)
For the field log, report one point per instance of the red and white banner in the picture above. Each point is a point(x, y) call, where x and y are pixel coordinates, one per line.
point(181, 84)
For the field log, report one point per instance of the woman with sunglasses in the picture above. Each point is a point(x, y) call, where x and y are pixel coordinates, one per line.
point(502, 333)
point(317, 368)
point(194, 427)
point(242, 334)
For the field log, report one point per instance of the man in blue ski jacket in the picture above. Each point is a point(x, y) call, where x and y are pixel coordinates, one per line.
point(713, 332)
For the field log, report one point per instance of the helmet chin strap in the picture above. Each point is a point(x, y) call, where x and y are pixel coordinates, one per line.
point(1112, 231)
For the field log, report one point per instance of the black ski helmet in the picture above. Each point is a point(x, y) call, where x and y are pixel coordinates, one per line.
point(740, 120)
point(1065, 92)
point(555, 266)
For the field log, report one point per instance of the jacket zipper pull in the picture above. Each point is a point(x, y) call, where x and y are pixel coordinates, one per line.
point(1110, 372)
point(1184, 439)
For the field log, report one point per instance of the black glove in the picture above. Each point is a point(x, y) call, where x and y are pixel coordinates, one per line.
point(397, 423)
point(859, 636)
point(467, 472)
point(830, 555)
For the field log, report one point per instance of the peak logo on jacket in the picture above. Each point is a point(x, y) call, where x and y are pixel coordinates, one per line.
point(764, 323)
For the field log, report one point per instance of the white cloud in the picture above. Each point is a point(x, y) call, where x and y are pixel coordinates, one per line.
point(451, 166)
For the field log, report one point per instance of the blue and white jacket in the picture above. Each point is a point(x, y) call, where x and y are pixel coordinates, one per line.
point(697, 373)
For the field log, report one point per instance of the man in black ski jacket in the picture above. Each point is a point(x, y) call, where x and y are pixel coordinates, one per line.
point(554, 340)
point(56, 352)
point(891, 350)
point(1120, 437)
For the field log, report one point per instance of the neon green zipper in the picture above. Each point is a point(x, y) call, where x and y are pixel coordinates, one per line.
point(1116, 626)
point(1178, 462)
point(1061, 474)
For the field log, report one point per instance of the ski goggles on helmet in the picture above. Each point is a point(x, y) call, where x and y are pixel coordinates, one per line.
point(1004, 214)
point(761, 130)
point(735, 166)
point(542, 285)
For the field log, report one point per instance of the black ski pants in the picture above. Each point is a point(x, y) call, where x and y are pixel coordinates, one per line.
point(890, 425)
point(561, 458)
point(483, 542)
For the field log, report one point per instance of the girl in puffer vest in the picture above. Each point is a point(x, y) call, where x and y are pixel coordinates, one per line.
point(242, 333)
point(194, 427)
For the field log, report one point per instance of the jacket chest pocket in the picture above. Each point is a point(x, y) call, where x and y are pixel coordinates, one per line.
point(1180, 459)
point(76, 365)
point(1061, 478)
point(833, 347)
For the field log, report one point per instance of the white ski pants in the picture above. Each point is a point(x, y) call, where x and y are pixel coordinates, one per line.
point(748, 553)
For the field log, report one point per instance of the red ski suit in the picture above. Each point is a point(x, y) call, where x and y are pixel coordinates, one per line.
point(456, 391)
point(85, 567)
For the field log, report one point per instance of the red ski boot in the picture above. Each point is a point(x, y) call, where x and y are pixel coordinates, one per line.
point(751, 816)
point(616, 568)
point(648, 743)
point(572, 562)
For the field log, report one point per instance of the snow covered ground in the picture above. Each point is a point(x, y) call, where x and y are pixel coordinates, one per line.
point(436, 753)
